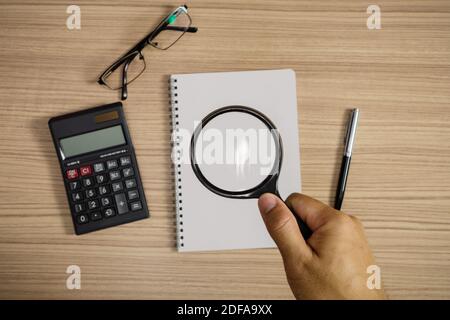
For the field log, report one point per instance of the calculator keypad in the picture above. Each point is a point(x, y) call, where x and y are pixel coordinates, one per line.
point(103, 190)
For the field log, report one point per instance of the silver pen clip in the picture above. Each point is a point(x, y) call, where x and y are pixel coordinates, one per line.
point(351, 131)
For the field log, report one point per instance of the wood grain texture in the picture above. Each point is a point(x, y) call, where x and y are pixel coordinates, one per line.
point(399, 184)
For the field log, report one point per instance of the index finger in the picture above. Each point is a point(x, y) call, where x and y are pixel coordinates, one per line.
point(313, 212)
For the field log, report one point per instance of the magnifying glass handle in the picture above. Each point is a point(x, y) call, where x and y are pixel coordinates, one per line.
point(304, 229)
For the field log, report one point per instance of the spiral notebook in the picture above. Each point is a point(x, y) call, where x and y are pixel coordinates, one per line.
point(207, 221)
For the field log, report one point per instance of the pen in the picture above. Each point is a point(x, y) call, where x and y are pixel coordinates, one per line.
point(345, 166)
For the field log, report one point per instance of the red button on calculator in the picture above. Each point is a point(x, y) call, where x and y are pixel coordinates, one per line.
point(72, 174)
point(86, 171)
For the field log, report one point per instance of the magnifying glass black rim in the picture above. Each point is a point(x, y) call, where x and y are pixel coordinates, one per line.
point(269, 184)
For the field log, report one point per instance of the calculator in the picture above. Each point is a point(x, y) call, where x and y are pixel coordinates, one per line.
point(99, 168)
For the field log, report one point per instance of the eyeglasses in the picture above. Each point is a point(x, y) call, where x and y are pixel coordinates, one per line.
point(132, 64)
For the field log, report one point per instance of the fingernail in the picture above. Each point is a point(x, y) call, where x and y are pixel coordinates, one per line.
point(267, 202)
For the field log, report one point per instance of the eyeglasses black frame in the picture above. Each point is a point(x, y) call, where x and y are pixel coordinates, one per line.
point(136, 51)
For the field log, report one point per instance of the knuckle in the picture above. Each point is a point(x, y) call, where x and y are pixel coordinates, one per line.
point(344, 221)
point(348, 223)
point(344, 218)
point(356, 220)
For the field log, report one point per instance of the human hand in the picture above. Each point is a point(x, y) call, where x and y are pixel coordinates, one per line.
point(332, 263)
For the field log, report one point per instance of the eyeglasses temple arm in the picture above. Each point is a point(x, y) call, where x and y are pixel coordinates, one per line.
point(124, 94)
point(175, 28)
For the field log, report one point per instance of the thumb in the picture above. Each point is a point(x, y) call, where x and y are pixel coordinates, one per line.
point(283, 228)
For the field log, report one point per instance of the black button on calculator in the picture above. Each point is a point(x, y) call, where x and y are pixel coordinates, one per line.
point(99, 166)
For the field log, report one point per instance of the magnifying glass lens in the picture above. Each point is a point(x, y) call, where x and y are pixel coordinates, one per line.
point(235, 151)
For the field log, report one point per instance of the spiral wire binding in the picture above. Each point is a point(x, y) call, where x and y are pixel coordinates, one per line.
point(176, 159)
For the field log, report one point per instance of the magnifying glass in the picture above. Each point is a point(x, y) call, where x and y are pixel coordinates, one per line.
point(236, 152)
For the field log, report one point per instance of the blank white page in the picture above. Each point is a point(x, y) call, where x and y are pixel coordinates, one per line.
point(209, 221)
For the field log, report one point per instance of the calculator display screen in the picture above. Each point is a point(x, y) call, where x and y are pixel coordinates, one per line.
point(92, 141)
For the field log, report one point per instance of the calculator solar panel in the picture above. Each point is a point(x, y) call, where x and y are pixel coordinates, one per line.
point(99, 168)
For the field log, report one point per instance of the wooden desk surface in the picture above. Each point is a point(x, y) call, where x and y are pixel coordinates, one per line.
point(399, 185)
